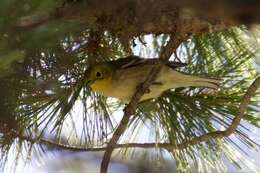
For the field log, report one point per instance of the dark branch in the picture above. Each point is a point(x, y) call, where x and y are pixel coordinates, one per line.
point(169, 146)
point(235, 12)
point(131, 107)
point(236, 120)
point(160, 17)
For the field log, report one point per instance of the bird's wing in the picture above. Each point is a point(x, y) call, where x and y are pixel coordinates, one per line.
point(133, 61)
point(174, 64)
point(130, 61)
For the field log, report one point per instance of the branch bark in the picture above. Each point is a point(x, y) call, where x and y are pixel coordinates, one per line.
point(128, 112)
point(235, 12)
point(132, 18)
point(130, 109)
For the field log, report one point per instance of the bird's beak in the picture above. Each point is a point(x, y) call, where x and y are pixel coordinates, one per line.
point(87, 77)
point(90, 82)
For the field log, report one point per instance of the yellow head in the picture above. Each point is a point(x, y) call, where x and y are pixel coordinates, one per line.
point(99, 77)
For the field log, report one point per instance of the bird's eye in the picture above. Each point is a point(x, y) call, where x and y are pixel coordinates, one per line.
point(98, 74)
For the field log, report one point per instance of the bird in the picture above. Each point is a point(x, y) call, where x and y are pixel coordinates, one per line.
point(120, 78)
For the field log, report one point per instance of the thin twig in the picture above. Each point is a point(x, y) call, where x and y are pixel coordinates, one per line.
point(169, 146)
point(131, 107)
point(235, 122)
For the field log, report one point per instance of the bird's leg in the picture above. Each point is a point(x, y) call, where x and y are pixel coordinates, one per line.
point(148, 90)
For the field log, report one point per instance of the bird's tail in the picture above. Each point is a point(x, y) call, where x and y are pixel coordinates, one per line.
point(205, 82)
point(189, 80)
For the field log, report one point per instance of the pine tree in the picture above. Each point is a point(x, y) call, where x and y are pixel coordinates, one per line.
point(46, 47)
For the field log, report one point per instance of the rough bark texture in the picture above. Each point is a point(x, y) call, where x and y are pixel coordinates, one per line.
point(147, 13)
point(127, 18)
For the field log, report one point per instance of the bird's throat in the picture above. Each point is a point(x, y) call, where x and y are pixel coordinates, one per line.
point(102, 86)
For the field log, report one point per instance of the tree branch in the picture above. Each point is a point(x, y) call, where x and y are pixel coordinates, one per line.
point(236, 120)
point(160, 17)
point(169, 146)
point(131, 107)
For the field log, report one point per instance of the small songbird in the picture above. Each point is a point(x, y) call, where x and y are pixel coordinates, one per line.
point(120, 78)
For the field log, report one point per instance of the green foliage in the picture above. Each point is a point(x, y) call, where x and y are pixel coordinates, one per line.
point(184, 113)
point(49, 96)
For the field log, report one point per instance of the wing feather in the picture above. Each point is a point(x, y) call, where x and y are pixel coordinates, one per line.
point(133, 61)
